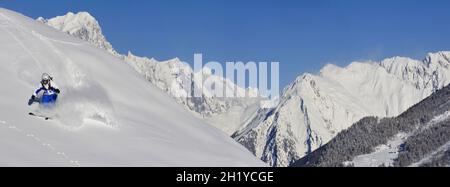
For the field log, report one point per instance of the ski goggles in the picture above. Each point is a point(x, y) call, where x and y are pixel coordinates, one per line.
point(45, 81)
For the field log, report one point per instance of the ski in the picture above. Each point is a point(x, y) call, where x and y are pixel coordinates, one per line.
point(39, 116)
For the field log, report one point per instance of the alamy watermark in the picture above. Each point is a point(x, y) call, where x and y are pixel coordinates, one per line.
point(232, 79)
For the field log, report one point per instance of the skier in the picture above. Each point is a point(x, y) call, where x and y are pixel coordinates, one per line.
point(50, 92)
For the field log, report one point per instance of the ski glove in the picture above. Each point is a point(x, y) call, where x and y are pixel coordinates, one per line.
point(32, 100)
point(56, 90)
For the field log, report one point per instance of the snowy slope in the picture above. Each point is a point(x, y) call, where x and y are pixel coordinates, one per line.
point(107, 115)
point(314, 108)
point(171, 76)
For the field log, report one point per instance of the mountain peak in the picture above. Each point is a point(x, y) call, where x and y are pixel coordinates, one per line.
point(69, 13)
point(72, 22)
point(81, 25)
point(176, 59)
point(439, 53)
point(329, 69)
point(399, 59)
point(132, 57)
point(400, 63)
point(41, 19)
point(441, 57)
point(86, 16)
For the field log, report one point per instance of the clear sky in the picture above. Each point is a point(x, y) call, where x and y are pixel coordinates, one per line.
point(302, 35)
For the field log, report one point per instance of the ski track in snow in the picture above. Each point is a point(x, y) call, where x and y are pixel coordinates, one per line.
point(4, 23)
point(8, 20)
point(40, 36)
point(41, 142)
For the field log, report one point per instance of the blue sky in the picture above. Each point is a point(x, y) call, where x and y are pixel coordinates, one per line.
point(302, 35)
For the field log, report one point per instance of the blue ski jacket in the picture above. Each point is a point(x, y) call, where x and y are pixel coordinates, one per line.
point(50, 89)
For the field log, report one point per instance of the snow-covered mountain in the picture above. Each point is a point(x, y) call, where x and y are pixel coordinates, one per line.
point(419, 136)
point(314, 108)
point(107, 114)
point(179, 80)
point(172, 76)
point(83, 26)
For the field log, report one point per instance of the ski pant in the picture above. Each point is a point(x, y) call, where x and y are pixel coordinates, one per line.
point(49, 99)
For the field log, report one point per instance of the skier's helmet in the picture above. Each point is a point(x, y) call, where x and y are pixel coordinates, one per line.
point(45, 78)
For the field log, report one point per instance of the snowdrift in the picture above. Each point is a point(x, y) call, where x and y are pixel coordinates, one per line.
point(107, 114)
